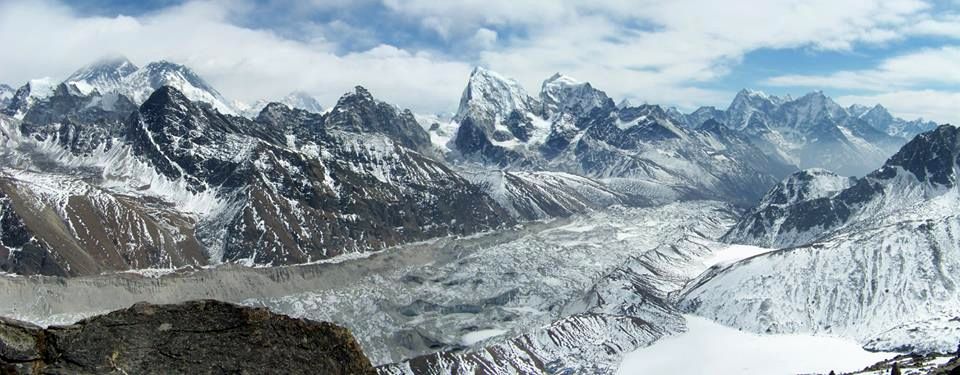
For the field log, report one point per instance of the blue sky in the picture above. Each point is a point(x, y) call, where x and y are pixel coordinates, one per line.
point(904, 54)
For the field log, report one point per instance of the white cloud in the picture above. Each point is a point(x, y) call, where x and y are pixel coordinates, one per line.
point(683, 43)
point(939, 106)
point(901, 83)
point(47, 39)
point(483, 39)
point(647, 50)
point(916, 69)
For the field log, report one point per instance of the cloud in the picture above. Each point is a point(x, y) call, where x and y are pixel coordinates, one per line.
point(901, 83)
point(483, 39)
point(655, 51)
point(48, 39)
point(916, 69)
point(661, 51)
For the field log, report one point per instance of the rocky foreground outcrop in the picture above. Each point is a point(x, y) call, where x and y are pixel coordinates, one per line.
point(196, 337)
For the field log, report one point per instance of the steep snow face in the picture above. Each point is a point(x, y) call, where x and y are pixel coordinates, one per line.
point(302, 100)
point(749, 104)
point(877, 261)
point(542, 195)
point(562, 94)
point(892, 286)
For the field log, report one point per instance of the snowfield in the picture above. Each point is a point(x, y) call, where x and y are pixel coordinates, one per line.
point(711, 348)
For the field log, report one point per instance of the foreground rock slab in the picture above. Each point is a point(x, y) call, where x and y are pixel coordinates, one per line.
point(193, 337)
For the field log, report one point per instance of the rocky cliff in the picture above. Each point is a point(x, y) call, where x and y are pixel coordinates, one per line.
point(193, 337)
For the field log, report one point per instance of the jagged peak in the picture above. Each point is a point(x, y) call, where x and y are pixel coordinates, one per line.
point(562, 78)
point(359, 93)
point(492, 96)
point(806, 184)
point(747, 98)
point(713, 126)
point(165, 96)
point(565, 94)
point(480, 73)
point(110, 67)
point(931, 157)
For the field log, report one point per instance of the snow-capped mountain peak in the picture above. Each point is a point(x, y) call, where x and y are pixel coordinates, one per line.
point(297, 99)
point(491, 97)
point(564, 94)
point(104, 75)
point(302, 100)
point(931, 157)
point(144, 81)
point(28, 94)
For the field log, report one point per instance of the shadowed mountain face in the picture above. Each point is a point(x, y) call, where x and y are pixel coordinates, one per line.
point(289, 187)
point(191, 337)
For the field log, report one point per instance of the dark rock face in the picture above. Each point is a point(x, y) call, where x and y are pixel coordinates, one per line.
point(363, 187)
point(931, 157)
point(193, 337)
point(358, 112)
point(79, 123)
point(41, 235)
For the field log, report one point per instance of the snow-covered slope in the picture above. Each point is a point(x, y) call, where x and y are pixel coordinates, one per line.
point(541, 195)
point(561, 94)
point(104, 75)
point(770, 223)
point(878, 261)
point(920, 170)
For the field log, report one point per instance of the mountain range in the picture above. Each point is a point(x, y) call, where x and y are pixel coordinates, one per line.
point(178, 177)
